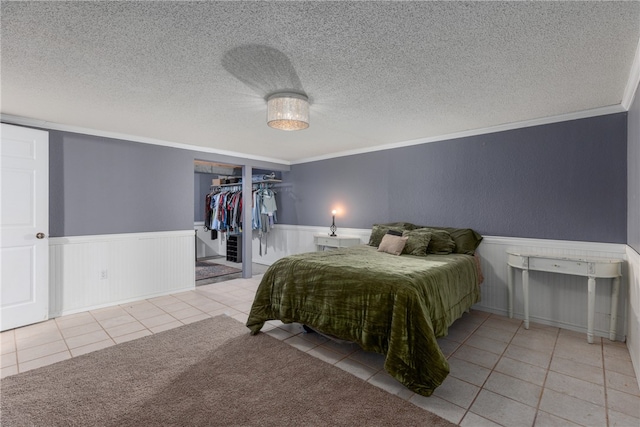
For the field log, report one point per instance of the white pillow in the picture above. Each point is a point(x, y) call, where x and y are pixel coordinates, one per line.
point(392, 244)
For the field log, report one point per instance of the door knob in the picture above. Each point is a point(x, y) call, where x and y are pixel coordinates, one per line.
point(40, 235)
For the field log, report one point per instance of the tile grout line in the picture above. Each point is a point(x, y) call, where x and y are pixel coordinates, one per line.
point(546, 375)
point(15, 349)
point(604, 382)
point(167, 313)
point(102, 327)
point(480, 388)
point(502, 355)
point(344, 356)
point(66, 344)
point(41, 357)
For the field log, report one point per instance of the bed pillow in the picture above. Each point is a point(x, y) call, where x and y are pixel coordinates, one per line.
point(378, 231)
point(392, 244)
point(417, 243)
point(466, 239)
point(441, 242)
point(403, 225)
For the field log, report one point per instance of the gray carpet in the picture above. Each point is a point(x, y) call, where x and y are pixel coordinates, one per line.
point(207, 373)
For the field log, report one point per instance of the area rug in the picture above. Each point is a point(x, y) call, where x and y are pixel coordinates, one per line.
point(211, 373)
point(209, 269)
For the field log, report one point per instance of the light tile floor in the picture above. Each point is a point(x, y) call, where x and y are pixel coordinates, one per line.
point(501, 374)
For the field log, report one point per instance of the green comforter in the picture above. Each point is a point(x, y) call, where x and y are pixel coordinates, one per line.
point(393, 305)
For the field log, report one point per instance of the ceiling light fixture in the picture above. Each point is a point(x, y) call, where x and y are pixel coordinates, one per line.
point(288, 111)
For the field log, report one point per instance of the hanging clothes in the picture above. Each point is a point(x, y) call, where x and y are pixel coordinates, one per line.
point(264, 213)
point(224, 211)
point(207, 212)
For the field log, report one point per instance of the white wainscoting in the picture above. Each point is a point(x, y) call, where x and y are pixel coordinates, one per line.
point(88, 272)
point(283, 240)
point(143, 265)
point(286, 240)
point(207, 247)
point(633, 320)
point(555, 299)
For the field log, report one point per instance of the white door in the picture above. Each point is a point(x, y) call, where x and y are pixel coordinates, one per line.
point(24, 226)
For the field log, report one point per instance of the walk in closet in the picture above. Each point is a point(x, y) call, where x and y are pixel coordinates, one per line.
point(221, 219)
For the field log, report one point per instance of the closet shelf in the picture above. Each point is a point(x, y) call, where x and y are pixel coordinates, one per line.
point(266, 181)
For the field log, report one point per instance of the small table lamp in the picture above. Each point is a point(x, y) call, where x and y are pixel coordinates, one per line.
point(333, 227)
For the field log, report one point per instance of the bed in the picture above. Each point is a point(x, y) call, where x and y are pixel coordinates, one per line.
point(393, 305)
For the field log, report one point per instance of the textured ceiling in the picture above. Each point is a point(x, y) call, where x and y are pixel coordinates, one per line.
point(376, 73)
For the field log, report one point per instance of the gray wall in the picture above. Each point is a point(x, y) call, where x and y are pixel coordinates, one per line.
point(202, 187)
point(633, 174)
point(560, 181)
point(109, 186)
point(564, 181)
point(102, 185)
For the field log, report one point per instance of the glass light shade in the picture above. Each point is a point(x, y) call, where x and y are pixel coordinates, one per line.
point(288, 111)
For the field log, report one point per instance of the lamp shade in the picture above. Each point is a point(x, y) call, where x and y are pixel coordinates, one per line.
point(288, 111)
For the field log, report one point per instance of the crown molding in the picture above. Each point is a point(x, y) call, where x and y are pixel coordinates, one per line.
point(26, 121)
point(634, 81)
point(602, 111)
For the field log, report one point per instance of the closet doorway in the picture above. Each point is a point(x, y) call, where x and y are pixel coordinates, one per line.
point(218, 253)
point(211, 245)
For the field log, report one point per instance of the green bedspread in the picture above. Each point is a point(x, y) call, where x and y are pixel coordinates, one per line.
point(393, 305)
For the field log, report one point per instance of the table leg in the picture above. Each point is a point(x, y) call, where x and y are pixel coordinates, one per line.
point(591, 302)
point(615, 291)
point(510, 279)
point(525, 294)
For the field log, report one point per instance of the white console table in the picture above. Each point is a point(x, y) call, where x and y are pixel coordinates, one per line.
point(322, 240)
point(592, 268)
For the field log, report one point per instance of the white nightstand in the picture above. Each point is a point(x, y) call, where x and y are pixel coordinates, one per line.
point(322, 241)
